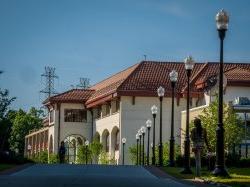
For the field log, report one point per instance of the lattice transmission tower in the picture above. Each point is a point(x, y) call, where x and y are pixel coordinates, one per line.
point(49, 81)
point(84, 83)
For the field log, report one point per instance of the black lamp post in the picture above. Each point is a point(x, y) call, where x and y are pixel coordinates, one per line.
point(161, 92)
point(173, 78)
point(189, 64)
point(86, 151)
point(123, 146)
point(140, 135)
point(143, 130)
point(154, 112)
point(137, 151)
point(148, 125)
point(222, 20)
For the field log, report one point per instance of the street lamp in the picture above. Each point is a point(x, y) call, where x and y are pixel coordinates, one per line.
point(137, 144)
point(222, 20)
point(154, 112)
point(161, 93)
point(189, 64)
point(143, 130)
point(148, 125)
point(140, 134)
point(173, 78)
point(123, 145)
point(86, 152)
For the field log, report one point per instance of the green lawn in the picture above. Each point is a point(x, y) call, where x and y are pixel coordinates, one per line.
point(6, 166)
point(239, 177)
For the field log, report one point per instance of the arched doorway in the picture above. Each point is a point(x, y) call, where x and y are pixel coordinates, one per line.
point(115, 139)
point(97, 137)
point(105, 140)
point(51, 144)
point(72, 144)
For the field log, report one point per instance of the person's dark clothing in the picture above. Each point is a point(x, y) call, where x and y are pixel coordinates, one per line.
point(62, 152)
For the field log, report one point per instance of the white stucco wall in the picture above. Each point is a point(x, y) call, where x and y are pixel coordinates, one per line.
point(108, 123)
point(231, 93)
point(135, 116)
point(68, 128)
point(74, 128)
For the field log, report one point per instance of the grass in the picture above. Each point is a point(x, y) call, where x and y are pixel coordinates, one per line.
point(6, 166)
point(239, 177)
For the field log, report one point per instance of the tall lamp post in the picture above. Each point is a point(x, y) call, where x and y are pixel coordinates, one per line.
point(154, 112)
point(189, 64)
point(161, 93)
point(123, 146)
point(137, 146)
point(143, 130)
point(173, 78)
point(148, 125)
point(140, 135)
point(86, 152)
point(222, 20)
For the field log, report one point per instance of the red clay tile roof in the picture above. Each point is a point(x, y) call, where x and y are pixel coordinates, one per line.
point(234, 72)
point(110, 85)
point(150, 75)
point(144, 78)
point(72, 96)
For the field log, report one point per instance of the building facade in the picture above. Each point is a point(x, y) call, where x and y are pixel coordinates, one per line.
point(119, 105)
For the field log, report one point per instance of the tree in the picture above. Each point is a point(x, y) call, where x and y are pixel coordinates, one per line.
point(22, 124)
point(6, 117)
point(232, 124)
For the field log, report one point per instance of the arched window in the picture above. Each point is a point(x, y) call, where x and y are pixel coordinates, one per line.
point(107, 143)
point(50, 144)
point(117, 142)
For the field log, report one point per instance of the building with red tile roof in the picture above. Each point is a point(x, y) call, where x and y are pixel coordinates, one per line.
point(119, 105)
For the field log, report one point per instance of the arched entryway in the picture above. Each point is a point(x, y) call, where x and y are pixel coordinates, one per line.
point(105, 140)
point(51, 144)
point(72, 144)
point(97, 137)
point(115, 139)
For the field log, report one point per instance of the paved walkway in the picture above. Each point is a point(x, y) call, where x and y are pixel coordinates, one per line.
point(43, 175)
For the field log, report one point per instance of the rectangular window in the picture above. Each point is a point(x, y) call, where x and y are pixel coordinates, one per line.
point(107, 109)
point(98, 112)
point(116, 106)
point(75, 115)
point(51, 116)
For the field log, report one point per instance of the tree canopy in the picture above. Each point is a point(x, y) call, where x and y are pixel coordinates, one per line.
point(22, 124)
point(233, 125)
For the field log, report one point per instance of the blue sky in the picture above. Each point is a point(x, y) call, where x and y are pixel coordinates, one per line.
point(96, 38)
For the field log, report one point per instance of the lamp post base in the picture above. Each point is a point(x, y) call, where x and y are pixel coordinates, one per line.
point(160, 155)
point(171, 152)
point(220, 171)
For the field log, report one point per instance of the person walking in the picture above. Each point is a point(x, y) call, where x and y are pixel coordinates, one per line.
point(62, 152)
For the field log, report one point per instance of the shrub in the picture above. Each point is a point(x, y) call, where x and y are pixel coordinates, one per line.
point(95, 149)
point(81, 155)
point(53, 158)
point(104, 158)
point(43, 157)
point(132, 153)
